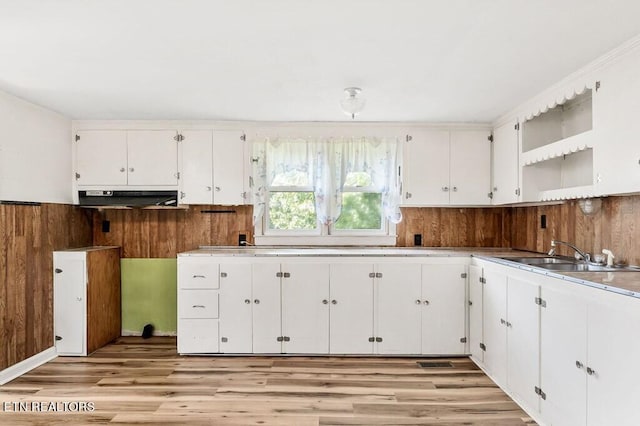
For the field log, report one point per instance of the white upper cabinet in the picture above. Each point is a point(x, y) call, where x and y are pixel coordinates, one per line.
point(152, 157)
point(196, 180)
point(108, 158)
point(470, 167)
point(617, 128)
point(101, 157)
point(229, 167)
point(213, 167)
point(505, 188)
point(447, 168)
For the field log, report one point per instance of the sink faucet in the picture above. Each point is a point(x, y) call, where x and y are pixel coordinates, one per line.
point(583, 255)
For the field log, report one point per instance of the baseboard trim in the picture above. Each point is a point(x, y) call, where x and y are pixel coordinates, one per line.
point(27, 365)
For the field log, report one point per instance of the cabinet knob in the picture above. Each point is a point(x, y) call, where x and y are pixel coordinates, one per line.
point(334, 302)
point(79, 299)
point(455, 189)
point(579, 364)
point(591, 371)
point(208, 188)
point(445, 189)
point(217, 189)
point(131, 169)
point(122, 169)
point(325, 302)
point(247, 301)
point(256, 301)
point(58, 271)
point(418, 301)
point(426, 302)
point(502, 321)
point(495, 189)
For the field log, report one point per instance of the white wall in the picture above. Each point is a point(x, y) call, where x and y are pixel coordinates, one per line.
point(35, 153)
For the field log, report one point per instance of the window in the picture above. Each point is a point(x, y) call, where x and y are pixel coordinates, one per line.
point(325, 188)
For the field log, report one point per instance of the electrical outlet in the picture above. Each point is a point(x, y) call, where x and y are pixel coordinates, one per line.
point(417, 240)
point(543, 221)
point(106, 226)
point(242, 239)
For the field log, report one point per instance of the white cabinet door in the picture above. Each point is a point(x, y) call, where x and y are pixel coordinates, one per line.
point(505, 187)
point(613, 354)
point(228, 167)
point(563, 357)
point(426, 163)
point(443, 309)
point(398, 291)
point(494, 323)
point(523, 342)
point(236, 319)
point(198, 336)
point(475, 312)
point(266, 308)
point(351, 316)
point(305, 315)
point(616, 156)
point(470, 167)
point(101, 157)
point(69, 298)
point(196, 179)
point(152, 157)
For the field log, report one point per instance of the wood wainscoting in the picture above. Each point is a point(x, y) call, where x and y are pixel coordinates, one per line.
point(29, 234)
point(165, 233)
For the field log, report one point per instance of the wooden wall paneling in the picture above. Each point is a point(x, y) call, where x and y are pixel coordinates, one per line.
point(103, 298)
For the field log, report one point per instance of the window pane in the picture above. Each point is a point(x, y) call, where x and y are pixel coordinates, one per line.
point(360, 210)
point(357, 179)
point(292, 211)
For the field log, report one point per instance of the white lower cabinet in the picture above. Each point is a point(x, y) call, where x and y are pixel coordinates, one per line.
point(476, 338)
point(444, 308)
point(318, 307)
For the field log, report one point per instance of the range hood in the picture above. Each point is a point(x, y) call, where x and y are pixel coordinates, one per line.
point(128, 199)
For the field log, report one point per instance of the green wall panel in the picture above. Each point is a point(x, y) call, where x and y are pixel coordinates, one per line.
point(149, 295)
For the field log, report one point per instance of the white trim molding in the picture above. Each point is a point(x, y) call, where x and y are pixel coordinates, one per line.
point(27, 365)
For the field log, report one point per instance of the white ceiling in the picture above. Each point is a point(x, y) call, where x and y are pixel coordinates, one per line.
point(289, 60)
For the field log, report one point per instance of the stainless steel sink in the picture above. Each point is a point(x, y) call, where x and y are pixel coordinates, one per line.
point(566, 264)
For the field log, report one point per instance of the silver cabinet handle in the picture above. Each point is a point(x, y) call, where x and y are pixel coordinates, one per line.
point(426, 302)
point(591, 371)
point(445, 189)
point(208, 188)
point(372, 274)
point(199, 276)
point(418, 301)
point(502, 321)
point(131, 169)
point(325, 302)
point(334, 302)
point(508, 324)
point(217, 189)
point(579, 364)
point(455, 189)
point(256, 301)
point(247, 301)
point(199, 306)
point(122, 169)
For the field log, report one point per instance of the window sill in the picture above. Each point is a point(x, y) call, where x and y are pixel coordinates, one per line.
point(328, 240)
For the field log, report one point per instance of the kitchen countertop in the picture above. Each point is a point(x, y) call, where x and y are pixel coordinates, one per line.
point(625, 283)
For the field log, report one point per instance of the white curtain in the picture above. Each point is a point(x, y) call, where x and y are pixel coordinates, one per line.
point(324, 165)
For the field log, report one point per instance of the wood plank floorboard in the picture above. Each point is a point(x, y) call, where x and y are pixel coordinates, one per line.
point(138, 382)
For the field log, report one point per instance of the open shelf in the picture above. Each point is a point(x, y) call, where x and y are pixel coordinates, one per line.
point(564, 120)
point(561, 177)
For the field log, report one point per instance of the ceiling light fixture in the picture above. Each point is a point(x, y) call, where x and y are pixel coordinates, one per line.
point(351, 104)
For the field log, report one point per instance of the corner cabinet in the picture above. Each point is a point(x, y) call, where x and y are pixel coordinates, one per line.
point(447, 167)
point(86, 299)
point(320, 306)
point(213, 164)
point(126, 158)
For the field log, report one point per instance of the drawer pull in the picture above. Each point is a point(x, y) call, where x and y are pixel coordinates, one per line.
point(199, 276)
point(199, 306)
point(247, 301)
point(257, 301)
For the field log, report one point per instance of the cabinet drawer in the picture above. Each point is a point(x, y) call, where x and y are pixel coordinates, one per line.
point(198, 336)
point(198, 273)
point(198, 304)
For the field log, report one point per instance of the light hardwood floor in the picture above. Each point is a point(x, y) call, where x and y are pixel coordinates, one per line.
point(145, 382)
